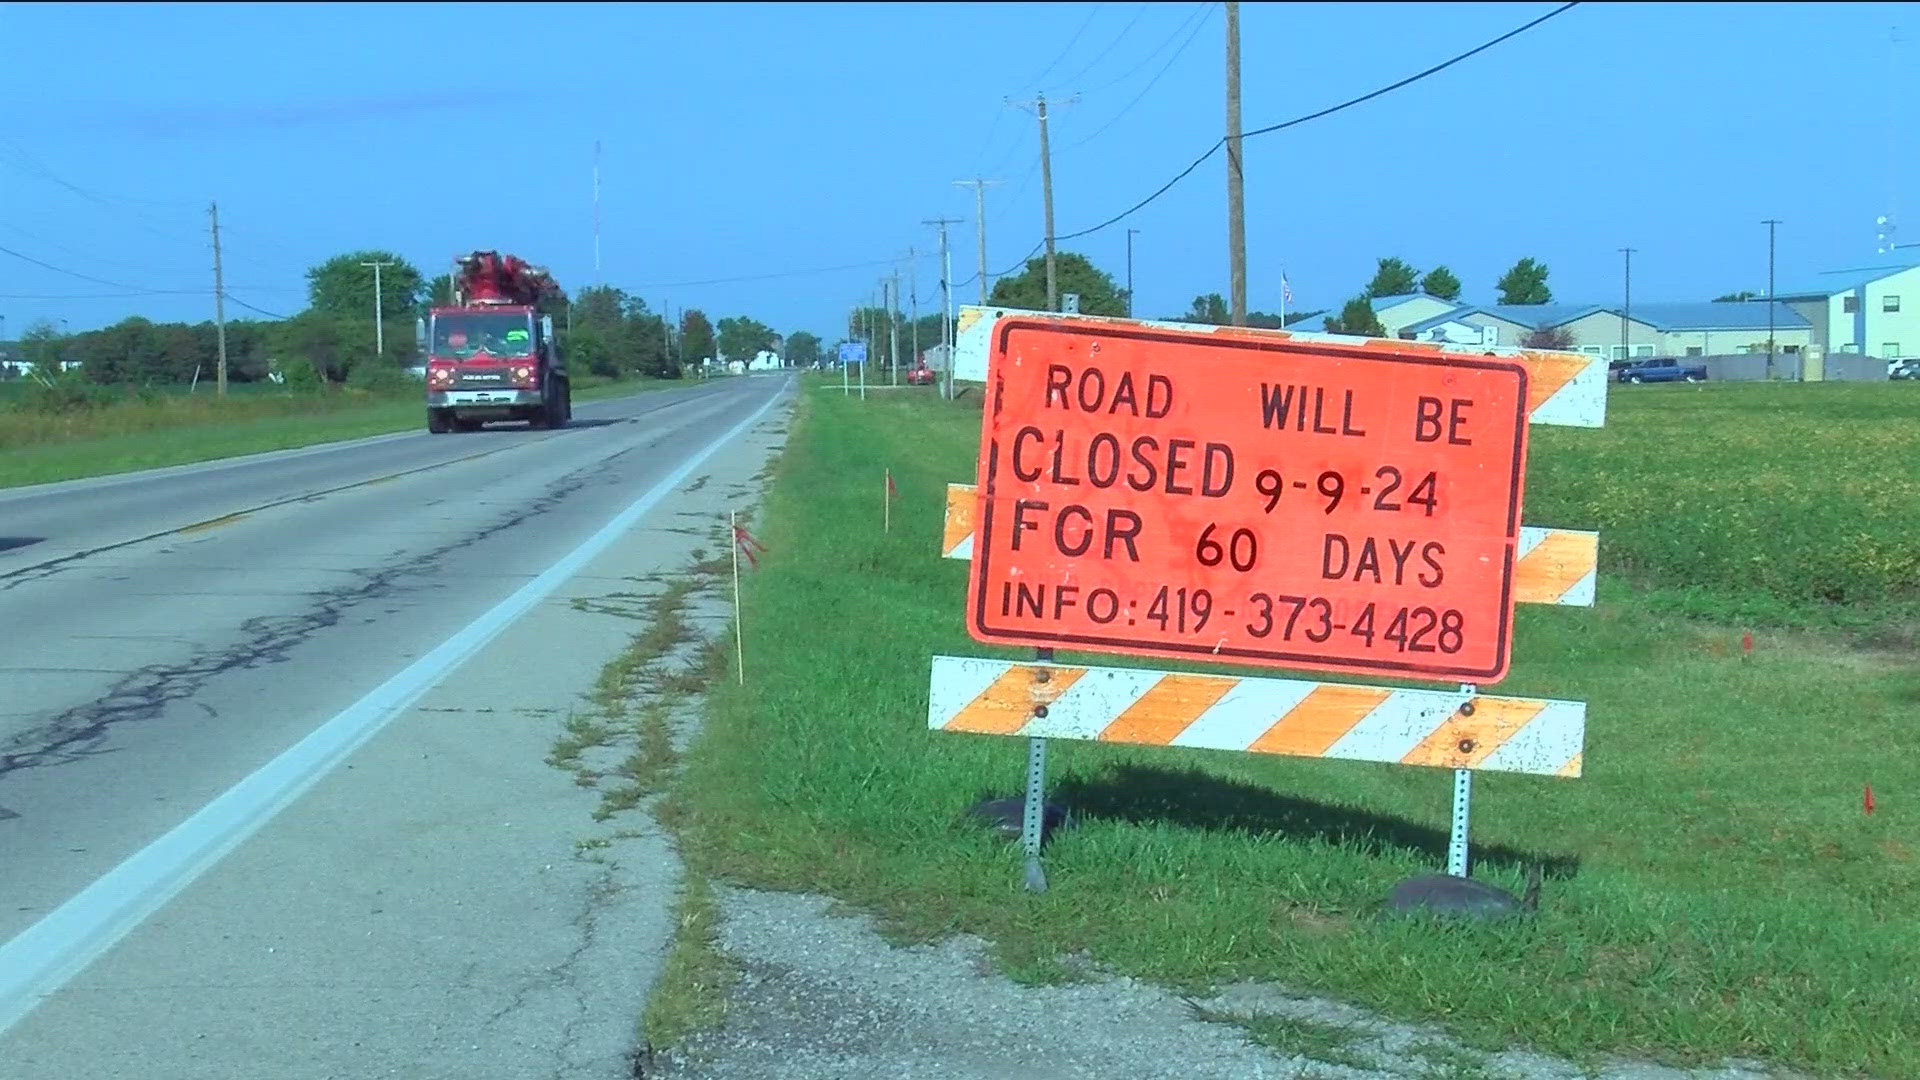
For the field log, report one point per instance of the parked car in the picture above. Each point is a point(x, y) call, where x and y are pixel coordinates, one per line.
point(1661, 369)
point(1904, 369)
point(920, 375)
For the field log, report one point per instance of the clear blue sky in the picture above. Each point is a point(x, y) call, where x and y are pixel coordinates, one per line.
point(742, 139)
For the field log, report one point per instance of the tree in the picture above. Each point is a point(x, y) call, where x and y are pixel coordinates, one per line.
point(1393, 277)
point(1073, 273)
point(696, 336)
point(325, 343)
point(1441, 283)
point(743, 339)
point(1209, 309)
point(1549, 337)
point(601, 306)
point(439, 290)
point(1526, 283)
point(40, 346)
point(342, 286)
point(803, 349)
point(1736, 297)
point(1356, 318)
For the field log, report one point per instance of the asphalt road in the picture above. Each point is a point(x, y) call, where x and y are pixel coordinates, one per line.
point(170, 640)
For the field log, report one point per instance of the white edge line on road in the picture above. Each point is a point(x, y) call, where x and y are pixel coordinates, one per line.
point(42, 958)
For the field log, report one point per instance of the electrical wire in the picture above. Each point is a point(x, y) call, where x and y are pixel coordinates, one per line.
point(1111, 45)
point(1199, 11)
point(1348, 104)
point(236, 300)
point(94, 280)
point(1151, 83)
point(1075, 40)
point(72, 296)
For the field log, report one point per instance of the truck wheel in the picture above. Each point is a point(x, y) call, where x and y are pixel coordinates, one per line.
point(1634, 379)
point(1695, 378)
point(566, 401)
point(541, 417)
point(437, 422)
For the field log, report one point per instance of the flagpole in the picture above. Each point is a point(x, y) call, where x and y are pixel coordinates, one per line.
point(1283, 299)
point(739, 640)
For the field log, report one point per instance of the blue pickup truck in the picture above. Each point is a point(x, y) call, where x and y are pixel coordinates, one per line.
point(1661, 370)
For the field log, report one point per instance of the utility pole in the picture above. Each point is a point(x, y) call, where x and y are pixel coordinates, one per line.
point(1236, 208)
point(379, 321)
point(946, 293)
point(1130, 233)
point(980, 216)
point(1046, 193)
point(1770, 223)
point(219, 298)
point(1626, 307)
point(913, 301)
point(893, 329)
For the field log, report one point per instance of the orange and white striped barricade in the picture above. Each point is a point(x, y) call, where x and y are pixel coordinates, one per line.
point(1268, 498)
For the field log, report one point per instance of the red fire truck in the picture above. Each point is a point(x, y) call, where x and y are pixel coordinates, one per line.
point(491, 354)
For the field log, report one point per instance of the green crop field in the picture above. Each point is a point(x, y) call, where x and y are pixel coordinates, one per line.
point(101, 431)
point(1713, 887)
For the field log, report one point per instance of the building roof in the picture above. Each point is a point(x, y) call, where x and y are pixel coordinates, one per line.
point(1531, 316)
point(1834, 282)
point(1382, 302)
point(1729, 315)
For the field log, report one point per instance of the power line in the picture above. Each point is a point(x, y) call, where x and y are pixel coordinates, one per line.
point(1151, 83)
point(1409, 80)
point(94, 280)
point(250, 307)
point(1434, 70)
point(1199, 11)
point(73, 296)
point(1075, 40)
point(1111, 45)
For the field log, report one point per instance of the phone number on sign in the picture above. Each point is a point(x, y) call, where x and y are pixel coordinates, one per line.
point(1262, 616)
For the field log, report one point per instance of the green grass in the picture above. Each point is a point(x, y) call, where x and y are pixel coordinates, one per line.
point(1783, 503)
point(1713, 886)
point(691, 993)
point(172, 428)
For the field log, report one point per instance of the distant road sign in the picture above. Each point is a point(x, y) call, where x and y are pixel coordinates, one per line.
point(1298, 504)
point(853, 352)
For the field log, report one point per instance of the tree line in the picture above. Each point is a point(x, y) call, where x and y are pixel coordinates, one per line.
point(601, 329)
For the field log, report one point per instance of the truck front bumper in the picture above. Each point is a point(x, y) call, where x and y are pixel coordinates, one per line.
point(485, 399)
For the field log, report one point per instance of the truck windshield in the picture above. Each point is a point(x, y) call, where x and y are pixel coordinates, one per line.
point(495, 333)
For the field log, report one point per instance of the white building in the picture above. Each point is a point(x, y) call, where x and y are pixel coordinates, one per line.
point(1869, 310)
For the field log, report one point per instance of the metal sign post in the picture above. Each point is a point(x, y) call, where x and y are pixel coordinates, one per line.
point(853, 352)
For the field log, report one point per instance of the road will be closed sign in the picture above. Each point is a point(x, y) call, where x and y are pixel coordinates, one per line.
point(1248, 500)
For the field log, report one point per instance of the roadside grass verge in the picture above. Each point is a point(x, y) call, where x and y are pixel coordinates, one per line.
point(1713, 888)
point(691, 993)
point(157, 429)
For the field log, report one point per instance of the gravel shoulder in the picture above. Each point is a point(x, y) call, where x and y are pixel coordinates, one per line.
point(822, 995)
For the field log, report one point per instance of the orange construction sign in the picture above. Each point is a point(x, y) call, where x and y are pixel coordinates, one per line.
point(1249, 500)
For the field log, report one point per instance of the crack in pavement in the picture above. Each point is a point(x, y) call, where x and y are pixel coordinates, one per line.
point(145, 693)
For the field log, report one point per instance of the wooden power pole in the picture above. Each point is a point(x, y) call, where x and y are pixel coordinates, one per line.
point(1236, 207)
point(219, 299)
